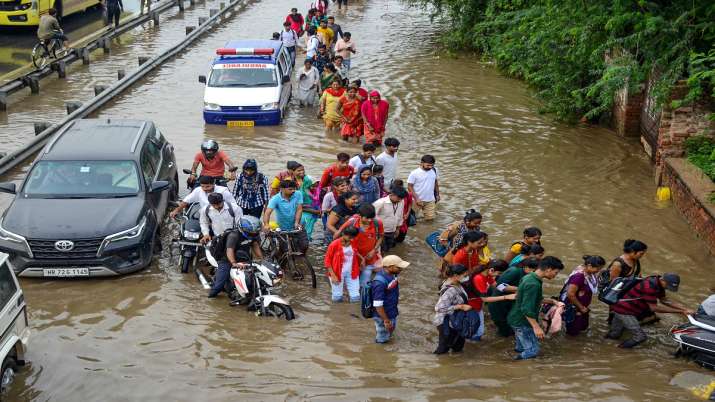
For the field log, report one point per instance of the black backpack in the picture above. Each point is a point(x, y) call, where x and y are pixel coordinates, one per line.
point(230, 211)
point(217, 247)
point(366, 308)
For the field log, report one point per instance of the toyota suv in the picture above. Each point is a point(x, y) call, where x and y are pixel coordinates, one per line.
point(92, 202)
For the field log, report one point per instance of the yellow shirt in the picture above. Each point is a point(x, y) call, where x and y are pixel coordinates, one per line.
point(331, 106)
point(327, 34)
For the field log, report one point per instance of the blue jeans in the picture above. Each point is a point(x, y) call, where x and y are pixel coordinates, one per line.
point(366, 275)
point(291, 52)
point(527, 346)
point(346, 63)
point(383, 335)
point(222, 276)
point(480, 331)
point(353, 285)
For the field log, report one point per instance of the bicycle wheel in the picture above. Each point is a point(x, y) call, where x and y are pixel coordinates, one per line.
point(39, 56)
point(301, 269)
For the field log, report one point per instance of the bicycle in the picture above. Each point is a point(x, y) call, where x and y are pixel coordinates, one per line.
point(278, 247)
point(47, 49)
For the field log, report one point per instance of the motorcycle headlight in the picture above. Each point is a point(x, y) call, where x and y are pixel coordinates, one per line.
point(131, 233)
point(8, 236)
point(211, 106)
point(269, 106)
point(189, 235)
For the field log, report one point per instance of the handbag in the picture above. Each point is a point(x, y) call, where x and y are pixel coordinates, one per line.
point(411, 218)
point(432, 240)
point(569, 314)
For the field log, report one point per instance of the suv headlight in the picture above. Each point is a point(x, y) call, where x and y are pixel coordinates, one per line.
point(132, 233)
point(211, 106)
point(269, 106)
point(8, 236)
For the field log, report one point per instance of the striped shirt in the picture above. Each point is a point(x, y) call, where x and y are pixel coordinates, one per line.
point(636, 300)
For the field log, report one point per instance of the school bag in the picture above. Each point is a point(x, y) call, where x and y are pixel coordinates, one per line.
point(366, 308)
point(615, 291)
point(230, 211)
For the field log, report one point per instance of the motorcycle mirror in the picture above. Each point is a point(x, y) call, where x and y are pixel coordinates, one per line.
point(186, 171)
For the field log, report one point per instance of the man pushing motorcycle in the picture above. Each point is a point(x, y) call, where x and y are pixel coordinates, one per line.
point(237, 244)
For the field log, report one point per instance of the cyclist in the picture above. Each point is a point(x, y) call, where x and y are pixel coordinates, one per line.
point(243, 240)
point(288, 204)
point(49, 28)
point(212, 163)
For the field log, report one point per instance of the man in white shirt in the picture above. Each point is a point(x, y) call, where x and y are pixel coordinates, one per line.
point(308, 79)
point(218, 217)
point(312, 43)
point(424, 187)
point(365, 158)
point(389, 162)
point(345, 47)
point(201, 195)
point(289, 39)
point(391, 210)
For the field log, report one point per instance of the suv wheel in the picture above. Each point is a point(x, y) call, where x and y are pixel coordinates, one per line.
point(7, 374)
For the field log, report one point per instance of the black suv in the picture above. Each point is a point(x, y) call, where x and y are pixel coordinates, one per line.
point(92, 202)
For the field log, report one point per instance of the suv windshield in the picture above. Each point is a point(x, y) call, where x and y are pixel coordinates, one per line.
point(257, 75)
point(82, 179)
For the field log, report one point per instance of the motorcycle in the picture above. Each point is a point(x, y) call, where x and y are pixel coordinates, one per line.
point(252, 285)
point(189, 235)
point(219, 182)
point(696, 339)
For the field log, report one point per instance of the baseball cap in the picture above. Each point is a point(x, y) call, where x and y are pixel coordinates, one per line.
point(672, 281)
point(394, 260)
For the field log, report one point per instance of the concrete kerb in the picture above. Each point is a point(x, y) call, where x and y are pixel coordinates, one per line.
point(16, 157)
point(91, 43)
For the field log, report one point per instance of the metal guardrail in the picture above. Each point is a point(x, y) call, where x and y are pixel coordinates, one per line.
point(33, 78)
point(11, 160)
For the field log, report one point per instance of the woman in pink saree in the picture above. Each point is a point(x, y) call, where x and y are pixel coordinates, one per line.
point(374, 114)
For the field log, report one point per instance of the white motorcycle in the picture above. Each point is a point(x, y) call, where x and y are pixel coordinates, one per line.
point(251, 285)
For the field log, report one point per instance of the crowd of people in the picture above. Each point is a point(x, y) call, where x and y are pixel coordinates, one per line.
point(366, 209)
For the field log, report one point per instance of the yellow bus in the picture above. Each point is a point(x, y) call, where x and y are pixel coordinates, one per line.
point(28, 12)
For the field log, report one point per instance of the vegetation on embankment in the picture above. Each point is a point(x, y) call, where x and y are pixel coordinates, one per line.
point(561, 47)
point(700, 151)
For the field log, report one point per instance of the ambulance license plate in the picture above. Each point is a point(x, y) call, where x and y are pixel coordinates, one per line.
point(65, 272)
point(240, 123)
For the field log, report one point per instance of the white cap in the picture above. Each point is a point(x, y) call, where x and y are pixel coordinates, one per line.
point(394, 260)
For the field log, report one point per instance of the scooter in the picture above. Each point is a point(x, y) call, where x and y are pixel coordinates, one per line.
point(189, 235)
point(252, 285)
point(696, 339)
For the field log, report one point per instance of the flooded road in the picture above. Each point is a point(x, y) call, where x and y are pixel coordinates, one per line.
point(154, 336)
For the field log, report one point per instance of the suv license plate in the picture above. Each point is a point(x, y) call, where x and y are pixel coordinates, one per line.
point(65, 272)
point(240, 123)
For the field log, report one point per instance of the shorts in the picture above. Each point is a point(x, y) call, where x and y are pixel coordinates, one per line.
point(429, 210)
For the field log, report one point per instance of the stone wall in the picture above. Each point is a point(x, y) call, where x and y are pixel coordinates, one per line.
point(690, 192)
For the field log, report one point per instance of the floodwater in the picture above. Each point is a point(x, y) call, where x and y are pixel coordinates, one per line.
point(154, 336)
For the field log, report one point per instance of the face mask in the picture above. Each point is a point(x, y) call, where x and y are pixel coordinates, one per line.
point(464, 279)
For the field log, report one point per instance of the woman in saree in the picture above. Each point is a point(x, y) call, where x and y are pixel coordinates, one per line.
point(329, 102)
point(374, 113)
point(349, 110)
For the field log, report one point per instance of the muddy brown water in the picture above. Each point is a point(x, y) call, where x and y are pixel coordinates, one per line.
point(154, 336)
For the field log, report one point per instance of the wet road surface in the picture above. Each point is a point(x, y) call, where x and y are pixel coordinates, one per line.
point(154, 335)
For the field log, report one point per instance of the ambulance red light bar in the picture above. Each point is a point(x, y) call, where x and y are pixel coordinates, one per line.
point(244, 51)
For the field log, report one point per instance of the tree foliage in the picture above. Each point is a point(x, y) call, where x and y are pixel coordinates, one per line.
point(578, 53)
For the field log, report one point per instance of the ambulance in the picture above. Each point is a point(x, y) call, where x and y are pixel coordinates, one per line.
point(249, 84)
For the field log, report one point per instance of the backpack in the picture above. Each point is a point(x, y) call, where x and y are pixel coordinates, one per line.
point(363, 160)
point(604, 277)
point(366, 308)
point(615, 291)
point(375, 221)
point(432, 240)
point(217, 247)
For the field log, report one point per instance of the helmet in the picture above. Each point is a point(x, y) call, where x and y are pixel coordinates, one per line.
point(250, 227)
point(209, 148)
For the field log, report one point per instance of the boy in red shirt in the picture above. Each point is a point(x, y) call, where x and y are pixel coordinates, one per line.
point(341, 168)
point(368, 241)
point(478, 288)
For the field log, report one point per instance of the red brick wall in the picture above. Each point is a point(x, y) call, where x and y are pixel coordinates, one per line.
point(627, 112)
point(690, 192)
point(676, 125)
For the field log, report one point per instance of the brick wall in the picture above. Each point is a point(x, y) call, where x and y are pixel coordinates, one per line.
point(627, 112)
point(690, 191)
point(676, 125)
